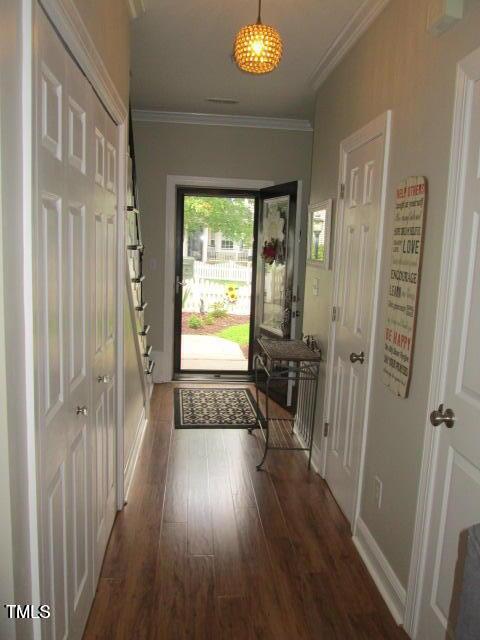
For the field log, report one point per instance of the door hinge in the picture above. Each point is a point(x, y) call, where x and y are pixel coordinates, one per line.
point(325, 429)
point(342, 190)
point(334, 314)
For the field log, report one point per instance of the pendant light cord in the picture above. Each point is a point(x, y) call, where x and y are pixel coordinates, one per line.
point(259, 19)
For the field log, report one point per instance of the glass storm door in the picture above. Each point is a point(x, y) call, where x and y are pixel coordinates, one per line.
point(215, 281)
point(275, 298)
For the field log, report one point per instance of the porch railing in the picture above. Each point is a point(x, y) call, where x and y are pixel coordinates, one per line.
point(229, 255)
point(227, 271)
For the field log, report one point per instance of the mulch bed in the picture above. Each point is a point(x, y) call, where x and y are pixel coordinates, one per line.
point(212, 329)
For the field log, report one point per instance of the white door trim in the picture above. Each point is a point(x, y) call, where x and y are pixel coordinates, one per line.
point(468, 72)
point(163, 371)
point(120, 277)
point(381, 126)
point(28, 199)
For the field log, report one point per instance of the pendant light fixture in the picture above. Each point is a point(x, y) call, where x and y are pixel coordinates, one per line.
point(258, 47)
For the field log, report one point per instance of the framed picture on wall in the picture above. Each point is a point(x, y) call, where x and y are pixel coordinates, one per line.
point(319, 226)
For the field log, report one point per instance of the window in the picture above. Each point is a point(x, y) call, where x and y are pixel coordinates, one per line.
point(227, 244)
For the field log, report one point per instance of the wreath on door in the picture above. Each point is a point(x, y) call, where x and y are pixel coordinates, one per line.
point(269, 251)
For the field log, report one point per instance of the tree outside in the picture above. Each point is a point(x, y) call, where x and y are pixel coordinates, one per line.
point(233, 217)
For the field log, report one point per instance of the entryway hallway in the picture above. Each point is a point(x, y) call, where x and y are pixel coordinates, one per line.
point(209, 548)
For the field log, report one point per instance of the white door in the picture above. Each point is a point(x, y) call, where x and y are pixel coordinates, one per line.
point(103, 283)
point(76, 441)
point(456, 497)
point(63, 372)
point(356, 276)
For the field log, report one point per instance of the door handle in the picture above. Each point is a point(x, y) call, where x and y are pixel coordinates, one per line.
point(179, 284)
point(443, 416)
point(357, 357)
point(105, 379)
point(81, 411)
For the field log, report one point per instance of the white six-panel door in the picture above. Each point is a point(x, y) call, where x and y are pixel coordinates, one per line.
point(103, 311)
point(76, 438)
point(456, 499)
point(356, 263)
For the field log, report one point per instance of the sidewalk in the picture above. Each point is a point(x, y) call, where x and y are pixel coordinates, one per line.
point(212, 353)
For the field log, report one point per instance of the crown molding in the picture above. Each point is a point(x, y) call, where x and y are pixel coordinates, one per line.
point(356, 27)
point(67, 20)
point(136, 8)
point(221, 120)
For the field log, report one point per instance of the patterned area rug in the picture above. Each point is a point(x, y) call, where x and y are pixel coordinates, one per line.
point(214, 409)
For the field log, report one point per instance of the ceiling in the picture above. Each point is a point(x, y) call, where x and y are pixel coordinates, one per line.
point(181, 55)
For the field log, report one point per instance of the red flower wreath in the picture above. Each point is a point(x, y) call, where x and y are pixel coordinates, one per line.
point(269, 252)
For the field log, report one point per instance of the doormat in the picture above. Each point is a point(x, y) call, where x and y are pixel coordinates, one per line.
point(197, 408)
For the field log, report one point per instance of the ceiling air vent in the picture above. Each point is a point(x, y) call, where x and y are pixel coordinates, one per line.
point(222, 100)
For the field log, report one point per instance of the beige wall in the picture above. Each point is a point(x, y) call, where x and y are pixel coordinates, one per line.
point(396, 65)
point(108, 23)
point(206, 151)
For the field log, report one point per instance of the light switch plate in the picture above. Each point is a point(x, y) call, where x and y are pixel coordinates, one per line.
point(316, 286)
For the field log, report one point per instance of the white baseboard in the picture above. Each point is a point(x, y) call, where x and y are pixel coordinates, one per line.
point(316, 458)
point(382, 573)
point(132, 459)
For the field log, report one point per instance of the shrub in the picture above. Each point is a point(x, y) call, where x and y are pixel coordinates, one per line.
point(209, 319)
point(218, 310)
point(194, 322)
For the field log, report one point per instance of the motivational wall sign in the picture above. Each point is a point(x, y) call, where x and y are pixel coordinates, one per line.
point(402, 298)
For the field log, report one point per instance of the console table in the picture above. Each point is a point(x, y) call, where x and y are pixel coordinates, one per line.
point(295, 362)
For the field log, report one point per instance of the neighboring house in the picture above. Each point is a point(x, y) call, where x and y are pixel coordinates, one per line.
point(208, 246)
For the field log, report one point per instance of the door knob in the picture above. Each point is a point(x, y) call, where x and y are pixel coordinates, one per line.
point(443, 416)
point(105, 379)
point(82, 411)
point(357, 357)
point(179, 283)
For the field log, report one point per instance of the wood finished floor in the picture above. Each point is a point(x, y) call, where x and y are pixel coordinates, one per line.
point(210, 549)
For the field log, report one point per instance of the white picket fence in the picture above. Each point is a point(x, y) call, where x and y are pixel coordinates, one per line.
point(203, 294)
point(228, 271)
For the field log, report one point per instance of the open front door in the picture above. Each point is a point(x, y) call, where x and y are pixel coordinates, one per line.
point(276, 295)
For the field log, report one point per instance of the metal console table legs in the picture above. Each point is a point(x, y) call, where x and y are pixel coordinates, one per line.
point(291, 361)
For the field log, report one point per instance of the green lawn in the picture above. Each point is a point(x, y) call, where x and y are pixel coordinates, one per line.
point(239, 333)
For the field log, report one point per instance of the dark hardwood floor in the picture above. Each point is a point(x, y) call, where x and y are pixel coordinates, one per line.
point(209, 548)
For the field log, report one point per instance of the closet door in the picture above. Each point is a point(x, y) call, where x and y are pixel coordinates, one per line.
point(75, 295)
point(78, 201)
point(104, 327)
point(64, 177)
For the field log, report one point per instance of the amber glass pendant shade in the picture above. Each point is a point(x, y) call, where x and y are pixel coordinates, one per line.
point(258, 47)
